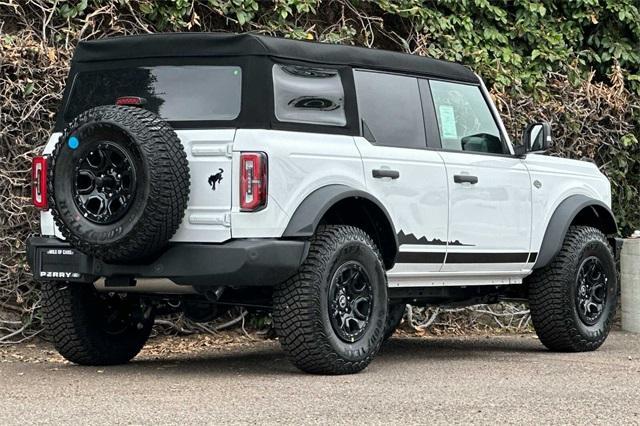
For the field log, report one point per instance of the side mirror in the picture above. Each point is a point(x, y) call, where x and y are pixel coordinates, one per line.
point(537, 137)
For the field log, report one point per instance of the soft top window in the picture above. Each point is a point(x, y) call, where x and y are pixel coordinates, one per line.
point(175, 93)
point(308, 95)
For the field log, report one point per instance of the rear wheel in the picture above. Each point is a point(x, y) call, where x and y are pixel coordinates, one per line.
point(91, 328)
point(330, 317)
point(573, 300)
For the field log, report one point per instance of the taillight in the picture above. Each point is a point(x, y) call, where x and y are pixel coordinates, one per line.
point(253, 181)
point(39, 182)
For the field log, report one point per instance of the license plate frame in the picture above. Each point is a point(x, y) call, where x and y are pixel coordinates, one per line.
point(61, 263)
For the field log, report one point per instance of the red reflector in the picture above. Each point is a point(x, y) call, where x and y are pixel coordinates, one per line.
point(130, 100)
point(253, 181)
point(39, 183)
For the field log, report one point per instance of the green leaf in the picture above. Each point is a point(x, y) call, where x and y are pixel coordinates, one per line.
point(242, 17)
point(28, 89)
point(629, 140)
point(146, 8)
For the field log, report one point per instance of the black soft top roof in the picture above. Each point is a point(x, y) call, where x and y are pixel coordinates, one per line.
point(248, 44)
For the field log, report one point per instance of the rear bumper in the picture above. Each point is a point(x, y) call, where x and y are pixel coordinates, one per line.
point(237, 263)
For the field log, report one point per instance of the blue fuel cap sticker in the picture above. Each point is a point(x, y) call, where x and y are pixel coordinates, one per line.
point(73, 142)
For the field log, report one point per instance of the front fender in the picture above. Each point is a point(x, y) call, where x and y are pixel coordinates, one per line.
point(563, 217)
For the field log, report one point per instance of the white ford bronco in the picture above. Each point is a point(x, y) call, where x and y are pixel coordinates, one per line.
point(328, 184)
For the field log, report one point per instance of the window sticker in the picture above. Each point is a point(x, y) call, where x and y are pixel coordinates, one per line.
point(448, 122)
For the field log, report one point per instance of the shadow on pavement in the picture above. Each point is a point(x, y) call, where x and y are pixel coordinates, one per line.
point(267, 359)
point(462, 346)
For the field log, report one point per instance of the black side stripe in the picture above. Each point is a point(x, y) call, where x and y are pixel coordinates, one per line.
point(431, 257)
point(419, 257)
point(487, 257)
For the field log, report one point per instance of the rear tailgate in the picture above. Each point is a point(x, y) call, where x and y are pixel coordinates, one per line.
point(200, 101)
point(208, 215)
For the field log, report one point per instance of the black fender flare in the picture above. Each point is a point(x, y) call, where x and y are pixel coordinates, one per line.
point(562, 218)
point(306, 218)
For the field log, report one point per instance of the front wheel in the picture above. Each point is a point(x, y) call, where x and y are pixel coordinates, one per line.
point(330, 317)
point(573, 300)
point(394, 318)
point(91, 328)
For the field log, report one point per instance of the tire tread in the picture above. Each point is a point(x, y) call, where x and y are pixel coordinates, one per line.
point(552, 305)
point(66, 310)
point(297, 317)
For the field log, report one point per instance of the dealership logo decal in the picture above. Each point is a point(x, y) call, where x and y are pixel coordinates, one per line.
point(51, 274)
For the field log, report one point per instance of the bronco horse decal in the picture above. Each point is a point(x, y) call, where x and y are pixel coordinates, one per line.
point(217, 178)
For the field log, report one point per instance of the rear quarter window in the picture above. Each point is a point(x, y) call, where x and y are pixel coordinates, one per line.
point(308, 95)
point(175, 93)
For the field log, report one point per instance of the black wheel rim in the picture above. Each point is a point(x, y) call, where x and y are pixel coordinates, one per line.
point(591, 290)
point(350, 301)
point(104, 183)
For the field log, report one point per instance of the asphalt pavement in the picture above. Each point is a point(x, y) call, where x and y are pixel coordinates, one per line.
point(437, 380)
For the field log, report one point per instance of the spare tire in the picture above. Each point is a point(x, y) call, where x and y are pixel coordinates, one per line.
point(118, 183)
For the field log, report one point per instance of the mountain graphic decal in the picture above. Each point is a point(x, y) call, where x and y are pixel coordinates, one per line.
point(411, 239)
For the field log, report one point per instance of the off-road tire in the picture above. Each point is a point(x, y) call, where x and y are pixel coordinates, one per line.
point(552, 290)
point(162, 185)
point(394, 318)
point(73, 321)
point(301, 313)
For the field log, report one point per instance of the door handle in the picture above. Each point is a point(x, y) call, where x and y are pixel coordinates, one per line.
point(465, 179)
point(385, 173)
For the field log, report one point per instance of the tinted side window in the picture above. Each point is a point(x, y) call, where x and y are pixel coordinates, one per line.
point(464, 119)
point(390, 109)
point(308, 95)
